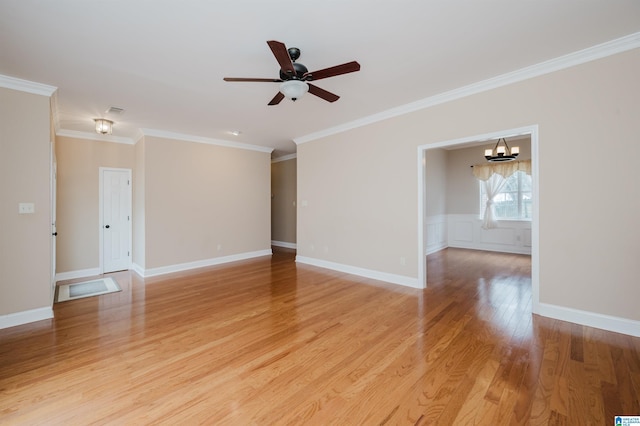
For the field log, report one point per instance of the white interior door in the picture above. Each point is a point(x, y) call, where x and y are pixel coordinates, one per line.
point(116, 219)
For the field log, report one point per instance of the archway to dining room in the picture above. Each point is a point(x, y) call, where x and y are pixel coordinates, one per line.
point(451, 212)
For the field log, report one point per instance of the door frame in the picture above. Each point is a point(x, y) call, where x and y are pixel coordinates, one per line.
point(535, 226)
point(101, 171)
point(53, 201)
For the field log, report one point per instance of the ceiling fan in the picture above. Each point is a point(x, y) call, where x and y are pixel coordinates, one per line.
point(295, 77)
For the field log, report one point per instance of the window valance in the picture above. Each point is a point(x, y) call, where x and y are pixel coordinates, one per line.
point(505, 169)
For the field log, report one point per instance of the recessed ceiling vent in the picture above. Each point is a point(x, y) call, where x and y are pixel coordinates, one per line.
point(115, 110)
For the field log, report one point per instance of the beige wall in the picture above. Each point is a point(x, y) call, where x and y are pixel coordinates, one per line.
point(361, 185)
point(191, 201)
point(435, 167)
point(79, 161)
point(139, 175)
point(283, 201)
point(25, 245)
point(204, 201)
point(357, 195)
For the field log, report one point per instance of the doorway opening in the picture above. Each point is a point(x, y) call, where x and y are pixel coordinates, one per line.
point(283, 202)
point(425, 230)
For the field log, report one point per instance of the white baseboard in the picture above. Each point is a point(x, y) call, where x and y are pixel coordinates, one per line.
point(162, 270)
point(82, 273)
point(362, 272)
point(435, 249)
point(25, 317)
point(137, 269)
point(284, 244)
point(590, 319)
point(490, 248)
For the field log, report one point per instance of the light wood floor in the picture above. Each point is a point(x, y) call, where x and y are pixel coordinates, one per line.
point(267, 341)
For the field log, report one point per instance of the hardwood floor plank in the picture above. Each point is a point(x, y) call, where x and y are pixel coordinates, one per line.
point(577, 345)
point(267, 341)
point(626, 390)
point(612, 400)
point(469, 413)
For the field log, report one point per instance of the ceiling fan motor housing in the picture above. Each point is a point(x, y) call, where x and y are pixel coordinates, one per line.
point(301, 70)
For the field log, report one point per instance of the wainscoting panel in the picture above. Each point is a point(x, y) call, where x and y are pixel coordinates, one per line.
point(465, 231)
point(500, 236)
point(462, 231)
point(526, 237)
point(436, 233)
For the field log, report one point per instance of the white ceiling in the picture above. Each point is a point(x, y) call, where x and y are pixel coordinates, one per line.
point(163, 61)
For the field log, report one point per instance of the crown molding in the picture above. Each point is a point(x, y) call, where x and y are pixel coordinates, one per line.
point(139, 135)
point(201, 139)
point(623, 44)
point(284, 158)
point(26, 86)
point(94, 137)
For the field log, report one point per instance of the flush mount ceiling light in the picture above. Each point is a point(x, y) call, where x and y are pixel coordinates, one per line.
point(501, 152)
point(235, 132)
point(103, 126)
point(293, 89)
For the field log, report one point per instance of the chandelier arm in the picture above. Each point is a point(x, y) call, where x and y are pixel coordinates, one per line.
point(508, 152)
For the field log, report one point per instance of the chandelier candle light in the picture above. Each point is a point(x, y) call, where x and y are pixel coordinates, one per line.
point(501, 152)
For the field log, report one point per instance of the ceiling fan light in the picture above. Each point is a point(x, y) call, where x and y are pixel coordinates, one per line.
point(293, 89)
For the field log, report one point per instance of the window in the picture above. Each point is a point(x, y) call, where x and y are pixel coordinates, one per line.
point(514, 201)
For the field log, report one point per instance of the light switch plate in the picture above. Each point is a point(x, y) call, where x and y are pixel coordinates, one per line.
point(26, 208)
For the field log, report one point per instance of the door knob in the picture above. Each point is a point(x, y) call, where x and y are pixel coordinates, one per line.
point(106, 226)
point(55, 234)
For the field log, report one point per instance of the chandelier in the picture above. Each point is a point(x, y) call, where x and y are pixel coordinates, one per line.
point(501, 152)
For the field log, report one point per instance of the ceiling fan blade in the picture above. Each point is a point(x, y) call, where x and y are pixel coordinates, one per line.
point(276, 99)
point(321, 93)
point(333, 71)
point(282, 56)
point(259, 80)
